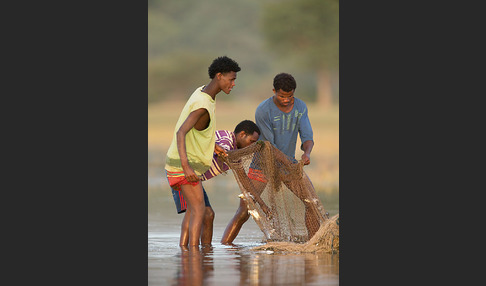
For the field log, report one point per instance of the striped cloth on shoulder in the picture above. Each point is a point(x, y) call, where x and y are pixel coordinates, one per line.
point(227, 140)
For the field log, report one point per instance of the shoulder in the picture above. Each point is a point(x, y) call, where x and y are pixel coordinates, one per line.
point(226, 139)
point(265, 103)
point(199, 99)
point(264, 106)
point(197, 94)
point(224, 134)
point(300, 104)
point(299, 101)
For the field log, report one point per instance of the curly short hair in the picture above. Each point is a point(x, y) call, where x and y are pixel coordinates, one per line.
point(248, 126)
point(223, 65)
point(285, 82)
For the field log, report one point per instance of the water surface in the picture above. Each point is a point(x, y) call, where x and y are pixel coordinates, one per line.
point(169, 264)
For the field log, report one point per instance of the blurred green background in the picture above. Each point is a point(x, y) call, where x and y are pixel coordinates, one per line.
point(265, 37)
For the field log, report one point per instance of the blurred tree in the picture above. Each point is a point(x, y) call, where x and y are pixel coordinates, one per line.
point(306, 32)
point(184, 36)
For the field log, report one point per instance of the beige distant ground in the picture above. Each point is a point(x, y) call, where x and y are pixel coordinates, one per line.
point(324, 168)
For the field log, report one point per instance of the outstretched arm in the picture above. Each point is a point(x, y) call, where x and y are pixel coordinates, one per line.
point(307, 148)
point(306, 136)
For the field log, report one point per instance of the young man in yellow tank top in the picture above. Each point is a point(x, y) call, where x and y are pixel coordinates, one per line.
point(191, 151)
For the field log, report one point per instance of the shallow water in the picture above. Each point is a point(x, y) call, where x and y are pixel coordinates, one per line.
point(169, 264)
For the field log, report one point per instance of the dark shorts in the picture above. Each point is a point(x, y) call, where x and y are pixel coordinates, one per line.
point(180, 203)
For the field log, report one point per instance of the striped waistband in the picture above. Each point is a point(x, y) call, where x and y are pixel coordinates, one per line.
point(174, 174)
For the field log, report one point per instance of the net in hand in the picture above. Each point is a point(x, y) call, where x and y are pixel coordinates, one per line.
point(279, 195)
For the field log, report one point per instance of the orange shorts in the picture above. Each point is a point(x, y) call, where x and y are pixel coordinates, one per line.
point(177, 179)
point(257, 175)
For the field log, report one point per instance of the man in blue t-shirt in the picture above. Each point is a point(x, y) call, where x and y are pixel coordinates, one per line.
point(280, 118)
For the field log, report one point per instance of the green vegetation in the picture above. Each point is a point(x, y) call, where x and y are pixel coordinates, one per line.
point(185, 36)
point(264, 36)
point(306, 33)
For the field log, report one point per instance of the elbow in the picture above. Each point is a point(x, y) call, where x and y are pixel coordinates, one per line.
point(309, 144)
point(180, 134)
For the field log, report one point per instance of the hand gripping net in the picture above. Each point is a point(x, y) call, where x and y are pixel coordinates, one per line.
point(279, 195)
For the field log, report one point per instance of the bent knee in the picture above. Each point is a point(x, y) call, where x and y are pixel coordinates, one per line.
point(243, 215)
point(209, 214)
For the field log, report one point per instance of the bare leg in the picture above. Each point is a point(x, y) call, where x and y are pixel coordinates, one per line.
point(195, 205)
point(207, 230)
point(235, 224)
point(185, 229)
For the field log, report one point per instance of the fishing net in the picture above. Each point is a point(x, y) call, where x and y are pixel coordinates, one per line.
point(279, 195)
point(326, 239)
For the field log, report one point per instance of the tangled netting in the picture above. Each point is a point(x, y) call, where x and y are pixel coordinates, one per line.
point(326, 239)
point(280, 196)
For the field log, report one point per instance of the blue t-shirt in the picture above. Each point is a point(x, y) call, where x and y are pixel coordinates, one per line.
point(281, 128)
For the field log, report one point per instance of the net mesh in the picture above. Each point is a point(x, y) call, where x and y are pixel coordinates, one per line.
point(326, 239)
point(279, 195)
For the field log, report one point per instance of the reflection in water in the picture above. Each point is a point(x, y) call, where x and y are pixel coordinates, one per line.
point(288, 269)
point(228, 265)
point(242, 266)
point(196, 265)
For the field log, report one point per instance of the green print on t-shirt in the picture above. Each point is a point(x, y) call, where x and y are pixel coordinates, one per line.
point(284, 121)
